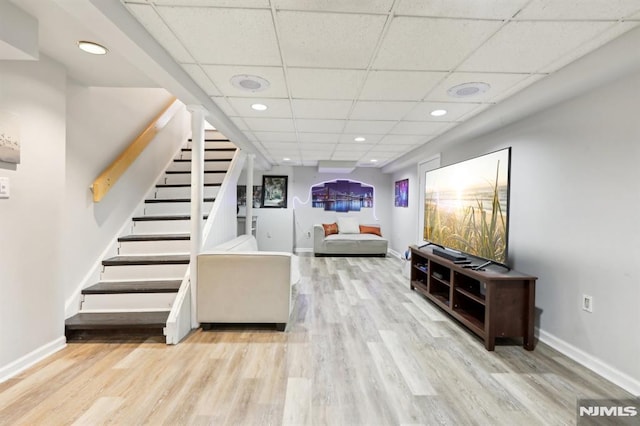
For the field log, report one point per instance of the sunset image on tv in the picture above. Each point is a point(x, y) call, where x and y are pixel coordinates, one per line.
point(466, 206)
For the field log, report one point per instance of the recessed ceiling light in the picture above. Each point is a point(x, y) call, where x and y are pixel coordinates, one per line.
point(438, 112)
point(259, 107)
point(286, 159)
point(359, 139)
point(373, 160)
point(250, 83)
point(93, 48)
point(466, 90)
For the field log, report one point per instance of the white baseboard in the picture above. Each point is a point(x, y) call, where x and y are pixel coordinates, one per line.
point(303, 250)
point(21, 364)
point(394, 253)
point(594, 364)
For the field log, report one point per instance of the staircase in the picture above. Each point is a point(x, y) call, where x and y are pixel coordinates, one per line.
point(137, 287)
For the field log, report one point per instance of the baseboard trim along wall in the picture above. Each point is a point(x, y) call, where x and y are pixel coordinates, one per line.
point(30, 359)
point(303, 250)
point(594, 364)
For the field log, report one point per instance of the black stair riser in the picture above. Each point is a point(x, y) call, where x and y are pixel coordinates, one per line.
point(159, 237)
point(212, 140)
point(143, 262)
point(206, 160)
point(128, 287)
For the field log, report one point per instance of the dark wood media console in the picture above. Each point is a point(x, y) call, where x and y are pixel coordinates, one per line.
point(491, 303)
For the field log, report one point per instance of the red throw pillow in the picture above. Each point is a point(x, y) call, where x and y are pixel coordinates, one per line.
point(370, 230)
point(330, 228)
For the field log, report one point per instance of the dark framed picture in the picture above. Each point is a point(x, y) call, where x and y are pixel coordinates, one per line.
point(402, 193)
point(274, 192)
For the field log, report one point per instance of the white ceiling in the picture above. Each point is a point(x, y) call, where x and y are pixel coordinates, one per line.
point(339, 69)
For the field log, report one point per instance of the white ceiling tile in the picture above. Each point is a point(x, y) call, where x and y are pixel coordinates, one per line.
point(310, 163)
point(326, 138)
point(431, 44)
point(310, 108)
point(399, 85)
point(419, 128)
point(348, 156)
point(201, 79)
point(324, 148)
point(494, 9)
point(282, 146)
point(393, 148)
point(516, 88)
point(370, 139)
point(233, 36)
point(276, 108)
point(371, 110)
point(281, 154)
point(316, 155)
point(221, 76)
point(369, 6)
point(319, 126)
point(276, 136)
point(405, 139)
point(312, 83)
point(215, 3)
point(270, 124)
point(353, 147)
point(579, 9)
point(499, 83)
point(609, 34)
point(529, 46)
point(224, 105)
point(365, 127)
point(455, 110)
point(158, 29)
point(328, 40)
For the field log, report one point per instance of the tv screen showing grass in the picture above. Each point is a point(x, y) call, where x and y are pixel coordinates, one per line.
point(466, 206)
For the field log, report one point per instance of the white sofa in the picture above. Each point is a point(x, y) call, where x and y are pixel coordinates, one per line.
point(348, 244)
point(239, 284)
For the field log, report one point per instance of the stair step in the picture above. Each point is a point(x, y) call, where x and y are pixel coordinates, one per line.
point(182, 185)
point(119, 287)
point(116, 320)
point(175, 200)
point(154, 237)
point(169, 259)
point(164, 217)
point(206, 160)
point(188, 172)
point(212, 140)
point(211, 149)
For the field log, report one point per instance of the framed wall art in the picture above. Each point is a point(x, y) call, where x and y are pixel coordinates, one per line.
point(274, 192)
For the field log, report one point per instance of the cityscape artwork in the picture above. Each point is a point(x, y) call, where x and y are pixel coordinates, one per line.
point(342, 196)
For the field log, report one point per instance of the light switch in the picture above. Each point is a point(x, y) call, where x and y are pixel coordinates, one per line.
point(4, 187)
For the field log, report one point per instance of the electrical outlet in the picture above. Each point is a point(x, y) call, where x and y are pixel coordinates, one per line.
point(308, 235)
point(587, 303)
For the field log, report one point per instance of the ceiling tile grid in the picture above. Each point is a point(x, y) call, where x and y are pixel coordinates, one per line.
point(340, 70)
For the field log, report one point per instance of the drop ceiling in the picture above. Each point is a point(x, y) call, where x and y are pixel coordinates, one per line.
point(341, 69)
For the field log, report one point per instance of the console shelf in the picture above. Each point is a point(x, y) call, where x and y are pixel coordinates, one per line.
point(490, 303)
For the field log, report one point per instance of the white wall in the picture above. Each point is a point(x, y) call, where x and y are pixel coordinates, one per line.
point(101, 123)
point(31, 238)
point(404, 220)
point(274, 226)
point(575, 203)
point(306, 216)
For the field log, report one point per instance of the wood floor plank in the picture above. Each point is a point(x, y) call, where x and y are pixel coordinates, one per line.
point(360, 349)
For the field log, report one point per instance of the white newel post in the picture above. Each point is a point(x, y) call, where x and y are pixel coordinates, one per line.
point(197, 194)
point(249, 203)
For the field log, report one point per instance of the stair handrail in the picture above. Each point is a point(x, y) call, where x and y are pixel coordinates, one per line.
point(110, 175)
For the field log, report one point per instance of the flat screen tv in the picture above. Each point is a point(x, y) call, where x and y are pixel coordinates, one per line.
point(466, 206)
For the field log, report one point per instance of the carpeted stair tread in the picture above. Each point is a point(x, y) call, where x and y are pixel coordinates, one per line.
point(154, 237)
point(159, 259)
point(120, 287)
point(116, 320)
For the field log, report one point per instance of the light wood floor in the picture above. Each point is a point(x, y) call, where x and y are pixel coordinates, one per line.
point(361, 348)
